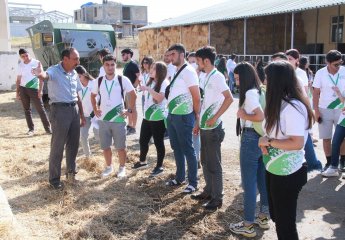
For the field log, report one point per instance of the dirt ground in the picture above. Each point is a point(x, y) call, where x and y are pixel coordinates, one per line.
point(138, 207)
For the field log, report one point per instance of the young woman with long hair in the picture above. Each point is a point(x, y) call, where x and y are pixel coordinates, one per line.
point(87, 84)
point(144, 77)
point(293, 58)
point(154, 115)
point(288, 118)
point(252, 167)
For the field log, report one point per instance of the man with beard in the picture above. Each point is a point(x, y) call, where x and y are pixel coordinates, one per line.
point(184, 108)
point(66, 114)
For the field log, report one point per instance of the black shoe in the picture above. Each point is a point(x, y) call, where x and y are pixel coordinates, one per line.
point(131, 131)
point(342, 165)
point(57, 185)
point(139, 165)
point(156, 171)
point(213, 204)
point(201, 196)
point(48, 131)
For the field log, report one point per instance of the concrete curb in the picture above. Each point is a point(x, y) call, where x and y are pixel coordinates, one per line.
point(7, 220)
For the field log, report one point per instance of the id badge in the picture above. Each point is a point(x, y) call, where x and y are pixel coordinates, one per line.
point(108, 103)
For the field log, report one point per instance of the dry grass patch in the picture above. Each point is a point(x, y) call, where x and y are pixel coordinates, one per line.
point(134, 208)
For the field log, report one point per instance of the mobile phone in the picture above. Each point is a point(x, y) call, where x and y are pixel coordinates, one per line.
point(319, 120)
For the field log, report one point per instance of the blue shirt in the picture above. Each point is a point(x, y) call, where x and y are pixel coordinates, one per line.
point(62, 86)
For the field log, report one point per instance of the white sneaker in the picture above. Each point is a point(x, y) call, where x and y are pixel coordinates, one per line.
point(330, 172)
point(30, 133)
point(107, 171)
point(122, 172)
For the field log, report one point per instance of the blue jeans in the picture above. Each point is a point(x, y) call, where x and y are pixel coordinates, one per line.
point(338, 137)
point(180, 134)
point(231, 81)
point(252, 174)
point(310, 156)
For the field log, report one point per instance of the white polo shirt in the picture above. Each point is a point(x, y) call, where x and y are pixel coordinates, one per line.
point(325, 81)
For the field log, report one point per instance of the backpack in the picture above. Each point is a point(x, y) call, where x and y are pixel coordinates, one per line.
point(119, 77)
point(262, 99)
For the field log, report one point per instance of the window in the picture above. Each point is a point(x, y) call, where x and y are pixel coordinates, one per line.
point(126, 13)
point(95, 12)
point(75, 15)
point(337, 33)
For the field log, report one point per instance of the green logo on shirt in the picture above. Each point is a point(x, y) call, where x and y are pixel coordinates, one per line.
point(33, 83)
point(208, 114)
point(280, 162)
point(154, 113)
point(180, 105)
point(336, 104)
point(114, 115)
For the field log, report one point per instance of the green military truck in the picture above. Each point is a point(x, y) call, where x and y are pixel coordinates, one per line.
point(49, 39)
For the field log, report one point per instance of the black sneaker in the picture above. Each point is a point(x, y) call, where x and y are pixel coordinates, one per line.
point(156, 171)
point(201, 196)
point(342, 165)
point(131, 131)
point(139, 165)
point(213, 204)
point(57, 185)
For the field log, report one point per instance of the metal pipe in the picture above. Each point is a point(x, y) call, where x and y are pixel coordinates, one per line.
point(157, 43)
point(180, 34)
point(316, 29)
point(337, 32)
point(292, 27)
point(209, 34)
point(245, 37)
point(285, 32)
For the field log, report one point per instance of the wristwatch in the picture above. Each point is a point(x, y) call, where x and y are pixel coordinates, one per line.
point(129, 110)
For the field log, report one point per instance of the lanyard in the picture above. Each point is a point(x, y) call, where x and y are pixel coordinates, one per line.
point(334, 82)
point(146, 76)
point(83, 93)
point(148, 93)
point(208, 78)
point(111, 87)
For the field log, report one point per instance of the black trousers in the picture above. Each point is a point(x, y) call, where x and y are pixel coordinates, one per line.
point(282, 199)
point(155, 129)
point(27, 97)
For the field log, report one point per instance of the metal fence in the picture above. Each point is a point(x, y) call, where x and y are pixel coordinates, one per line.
point(316, 61)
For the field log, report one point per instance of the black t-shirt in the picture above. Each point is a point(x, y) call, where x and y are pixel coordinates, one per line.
point(131, 70)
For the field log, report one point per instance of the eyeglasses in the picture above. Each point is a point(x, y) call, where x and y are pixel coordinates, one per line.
point(337, 64)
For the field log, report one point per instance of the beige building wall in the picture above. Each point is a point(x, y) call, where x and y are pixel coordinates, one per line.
point(324, 26)
point(138, 13)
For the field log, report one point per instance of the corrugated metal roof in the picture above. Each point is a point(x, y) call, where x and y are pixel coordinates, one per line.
point(239, 9)
point(82, 26)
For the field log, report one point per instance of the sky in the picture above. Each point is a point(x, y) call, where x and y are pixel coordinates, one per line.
point(158, 10)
